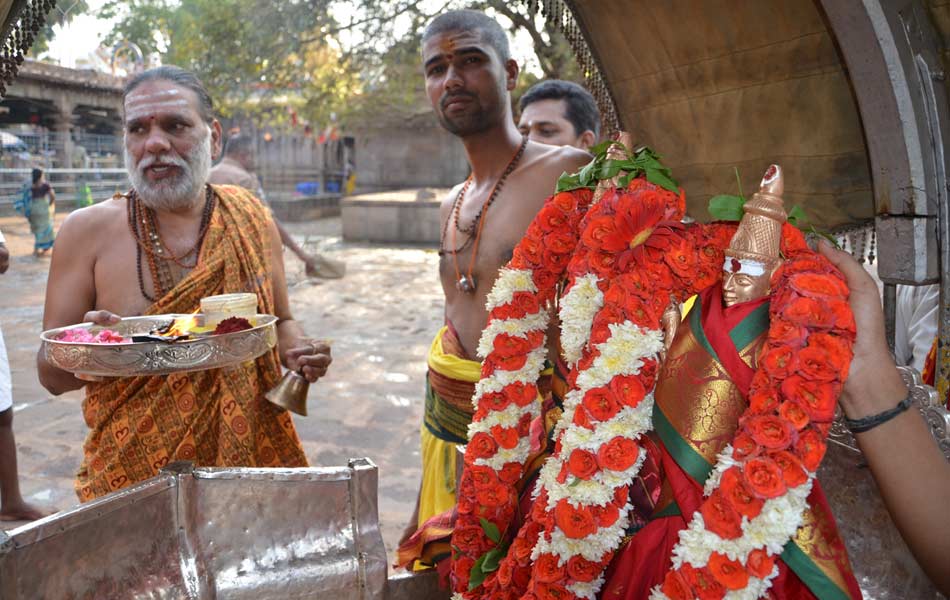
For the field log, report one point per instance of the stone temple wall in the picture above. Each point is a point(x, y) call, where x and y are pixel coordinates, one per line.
point(415, 153)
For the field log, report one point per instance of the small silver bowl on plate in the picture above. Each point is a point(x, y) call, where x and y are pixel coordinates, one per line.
point(131, 359)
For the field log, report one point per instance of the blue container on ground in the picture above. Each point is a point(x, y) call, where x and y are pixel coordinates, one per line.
point(308, 188)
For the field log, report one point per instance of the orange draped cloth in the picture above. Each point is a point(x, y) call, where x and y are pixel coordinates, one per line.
point(217, 417)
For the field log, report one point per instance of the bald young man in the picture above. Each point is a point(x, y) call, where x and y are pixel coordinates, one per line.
point(469, 76)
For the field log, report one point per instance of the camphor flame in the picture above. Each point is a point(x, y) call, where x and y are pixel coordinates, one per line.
point(182, 325)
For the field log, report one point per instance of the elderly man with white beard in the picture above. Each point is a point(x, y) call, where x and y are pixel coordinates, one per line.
point(170, 241)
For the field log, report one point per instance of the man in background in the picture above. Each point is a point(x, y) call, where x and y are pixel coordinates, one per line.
point(560, 113)
point(237, 168)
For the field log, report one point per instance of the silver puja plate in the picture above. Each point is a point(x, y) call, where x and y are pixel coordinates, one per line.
point(157, 357)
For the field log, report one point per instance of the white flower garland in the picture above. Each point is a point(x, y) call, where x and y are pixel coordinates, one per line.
point(514, 327)
point(587, 589)
point(578, 307)
point(528, 374)
point(622, 353)
point(770, 530)
point(509, 282)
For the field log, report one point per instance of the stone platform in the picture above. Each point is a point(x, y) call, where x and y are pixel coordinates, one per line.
point(306, 208)
point(397, 217)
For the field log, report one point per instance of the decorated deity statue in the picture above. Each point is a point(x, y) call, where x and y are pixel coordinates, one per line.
point(701, 395)
point(683, 459)
point(753, 253)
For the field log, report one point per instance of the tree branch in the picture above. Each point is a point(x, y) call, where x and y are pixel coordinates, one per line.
point(542, 49)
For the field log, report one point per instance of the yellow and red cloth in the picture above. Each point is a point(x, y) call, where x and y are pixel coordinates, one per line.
point(700, 395)
point(450, 385)
point(217, 417)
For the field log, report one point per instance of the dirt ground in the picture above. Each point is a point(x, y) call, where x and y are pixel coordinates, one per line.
point(380, 317)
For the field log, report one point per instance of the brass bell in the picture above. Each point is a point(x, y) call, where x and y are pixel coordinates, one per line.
point(291, 393)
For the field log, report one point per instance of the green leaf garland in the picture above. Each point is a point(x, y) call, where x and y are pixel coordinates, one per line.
point(642, 161)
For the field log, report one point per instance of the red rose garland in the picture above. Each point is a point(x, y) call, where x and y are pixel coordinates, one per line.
point(631, 260)
point(506, 399)
point(584, 485)
point(765, 475)
point(632, 211)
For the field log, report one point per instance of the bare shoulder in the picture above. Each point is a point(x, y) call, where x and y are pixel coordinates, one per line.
point(558, 159)
point(448, 200)
point(542, 166)
point(91, 222)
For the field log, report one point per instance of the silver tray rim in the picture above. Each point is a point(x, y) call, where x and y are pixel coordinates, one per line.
point(268, 320)
point(264, 322)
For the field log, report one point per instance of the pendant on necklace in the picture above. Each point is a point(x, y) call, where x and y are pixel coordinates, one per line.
point(466, 284)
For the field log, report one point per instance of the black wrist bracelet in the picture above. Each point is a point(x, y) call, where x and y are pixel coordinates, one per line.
point(866, 423)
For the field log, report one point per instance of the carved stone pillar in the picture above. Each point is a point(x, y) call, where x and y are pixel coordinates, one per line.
point(63, 123)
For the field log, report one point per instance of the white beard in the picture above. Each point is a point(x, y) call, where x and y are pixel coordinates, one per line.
point(172, 193)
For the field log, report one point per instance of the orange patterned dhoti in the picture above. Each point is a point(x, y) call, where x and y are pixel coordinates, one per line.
point(217, 417)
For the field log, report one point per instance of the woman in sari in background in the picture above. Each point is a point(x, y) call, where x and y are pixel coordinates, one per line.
point(40, 212)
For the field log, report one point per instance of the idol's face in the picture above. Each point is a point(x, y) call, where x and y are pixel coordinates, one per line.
point(466, 81)
point(545, 121)
point(168, 146)
point(741, 287)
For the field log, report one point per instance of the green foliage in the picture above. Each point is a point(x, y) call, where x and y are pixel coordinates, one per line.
point(797, 217)
point(823, 234)
point(389, 55)
point(643, 161)
point(255, 56)
point(726, 208)
point(553, 53)
point(359, 59)
point(490, 529)
point(486, 564)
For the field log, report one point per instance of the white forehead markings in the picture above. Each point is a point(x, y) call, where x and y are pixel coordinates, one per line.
point(140, 104)
point(144, 109)
point(136, 96)
point(747, 266)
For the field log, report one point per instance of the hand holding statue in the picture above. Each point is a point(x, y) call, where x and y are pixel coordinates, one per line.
point(873, 373)
point(911, 472)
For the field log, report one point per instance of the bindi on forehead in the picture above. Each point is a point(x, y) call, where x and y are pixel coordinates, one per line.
point(447, 45)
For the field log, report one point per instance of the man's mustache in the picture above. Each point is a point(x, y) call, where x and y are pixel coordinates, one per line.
point(447, 98)
point(164, 159)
